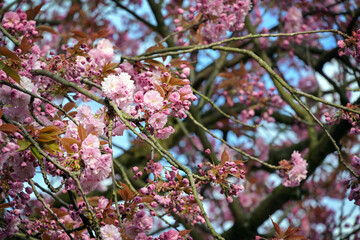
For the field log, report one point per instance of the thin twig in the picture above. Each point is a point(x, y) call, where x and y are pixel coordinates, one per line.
point(11, 37)
point(113, 170)
point(232, 147)
point(39, 97)
point(187, 49)
point(221, 111)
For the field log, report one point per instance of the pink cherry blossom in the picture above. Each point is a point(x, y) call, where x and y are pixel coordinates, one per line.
point(119, 88)
point(153, 100)
point(158, 120)
point(297, 173)
point(10, 20)
point(169, 235)
point(165, 132)
point(110, 232)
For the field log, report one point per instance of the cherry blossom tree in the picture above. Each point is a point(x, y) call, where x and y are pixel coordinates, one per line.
point(169, 120)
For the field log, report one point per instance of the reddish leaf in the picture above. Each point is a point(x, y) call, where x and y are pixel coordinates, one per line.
point(184, 232)
point(4, 205)
point(155, 63)
point(79, 34)
point(72, 114)
point(125, 193)
point(277, 228)
point(12, 73)
point(160, 90)
point(178, 81)
point(50, 130)
point(69, 106)
point(147, 199)
point(25, 45)
point(46, 28)
point(9, 54)
point(103, 143)
point(82, 132)
point(109, 67)
point(154, 48)
point(177, 62)
point(9, 128)
point(157, 47)
point(224, 157)
point(237, 162)
point(31, 13)
point(45, 236)
point(179, 177)
point(1, 112)
point(68, 142)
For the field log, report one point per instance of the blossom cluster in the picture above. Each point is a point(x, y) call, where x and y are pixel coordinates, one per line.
point(223, 16)
point(295, 170)
point(172, 193)
point(152, 95)
point(218, 174)
point(17, 23)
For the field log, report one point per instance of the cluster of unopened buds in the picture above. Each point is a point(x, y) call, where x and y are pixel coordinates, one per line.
point(172, 193)
point(350, 46)
point(351, 117)
point(219, 174)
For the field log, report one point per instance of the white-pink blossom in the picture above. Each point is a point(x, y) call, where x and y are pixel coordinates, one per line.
point(298, 173)
point(157, 120)
point(110, 232)
point(165, 132)
point(119, 88)
point(153, 100)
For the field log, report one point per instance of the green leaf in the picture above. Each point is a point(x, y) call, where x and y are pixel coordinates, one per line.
point(12, 73)
point(53, 147)
point(23, 144)
point(2, 65)
point(9, 54)
point(36, 153)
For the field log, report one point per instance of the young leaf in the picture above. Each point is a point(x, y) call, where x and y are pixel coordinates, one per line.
point(9, 54)
point(25, 45)
point(23, 144)
point(125, 193)
point(178, 81)
point(46, 28)
point(160, 90)
point(53, 147)
point(79, 34)
point(69, 106)
point(12, 73)
point(51, 130)
point(31, 13)
point(184, 232)
point(68, 142)
point(9, 128)
point(224, 157)
point(35, 153)
point(82, 132)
